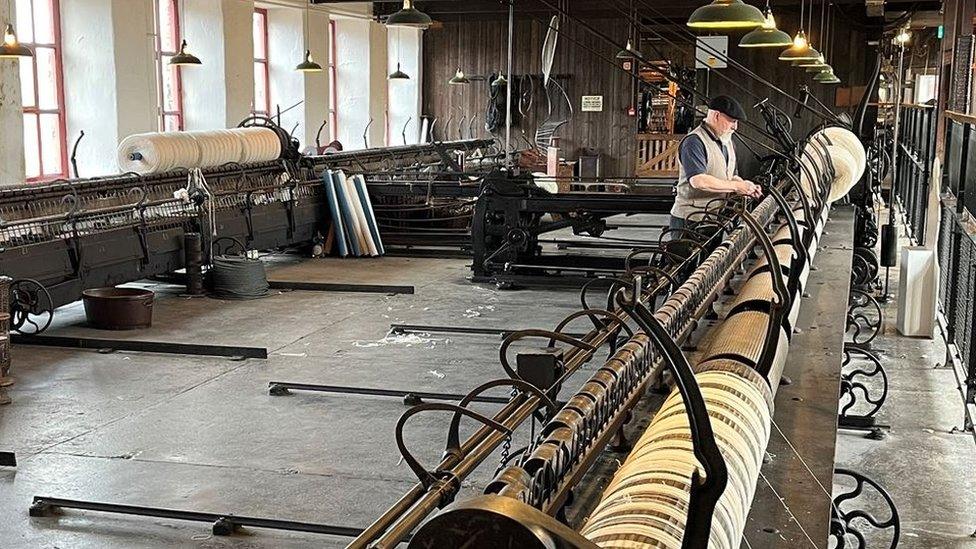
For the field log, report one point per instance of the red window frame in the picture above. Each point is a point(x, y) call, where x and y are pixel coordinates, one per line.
point(262, 63)
point(162, 63)
point(333, 82)
point(35, 111)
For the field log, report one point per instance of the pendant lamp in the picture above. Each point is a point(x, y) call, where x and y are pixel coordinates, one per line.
point(766, 36)
point(409, 16)
point(628, 52)
point(307, 64)
point(726, 14)
point(800, 50)
point(398, 74)
point(459, 78)
point(11, 47)
point(184, 58)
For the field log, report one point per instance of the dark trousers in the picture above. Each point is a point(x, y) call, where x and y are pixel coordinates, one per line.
point(676, 224)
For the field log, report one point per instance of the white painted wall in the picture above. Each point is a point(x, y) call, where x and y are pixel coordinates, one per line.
point(353, 75)
point(238, 52)
point(404, 95)
point(90, 97)
point(317, 84)
point(135, 67)
point(11, 116)
point(377, 85)
point(204, 105)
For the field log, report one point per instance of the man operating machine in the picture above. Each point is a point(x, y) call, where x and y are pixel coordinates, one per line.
point(706, 162)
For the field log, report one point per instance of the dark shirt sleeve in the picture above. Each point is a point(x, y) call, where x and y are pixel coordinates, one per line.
point(692, 156)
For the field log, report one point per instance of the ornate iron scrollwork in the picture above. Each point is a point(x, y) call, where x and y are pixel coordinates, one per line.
point(31, 307)
point(861, 388)
point(865, 319)
point(848, 526)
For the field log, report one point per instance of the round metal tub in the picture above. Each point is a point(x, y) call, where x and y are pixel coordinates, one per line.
point(118, 308)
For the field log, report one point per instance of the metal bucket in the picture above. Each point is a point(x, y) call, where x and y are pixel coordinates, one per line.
point(118, 308)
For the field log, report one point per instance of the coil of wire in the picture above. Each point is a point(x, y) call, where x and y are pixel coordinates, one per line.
point(236, 277)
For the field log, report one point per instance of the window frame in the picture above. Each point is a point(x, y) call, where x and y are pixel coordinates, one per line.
point(36, 110)
point(333, 81)
point(179, 113)
point(263, 12)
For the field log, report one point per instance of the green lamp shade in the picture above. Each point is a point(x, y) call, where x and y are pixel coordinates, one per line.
point(409, 16)
point(398, 74)
point(308, 65)
point(815, 65)
point(628, 52)
point(184, 57)
point(726, 14)
point(459, 78)
point(11, 48)
point(500, 81)
point(766, 36)
point(800, 50)
point(825, 76)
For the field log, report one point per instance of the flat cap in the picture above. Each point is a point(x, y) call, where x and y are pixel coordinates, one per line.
point(727, 106)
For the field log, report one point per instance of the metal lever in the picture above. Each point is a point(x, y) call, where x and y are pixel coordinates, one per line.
point(704, 493)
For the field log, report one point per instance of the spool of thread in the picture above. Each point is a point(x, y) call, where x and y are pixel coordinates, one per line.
point(235, 277)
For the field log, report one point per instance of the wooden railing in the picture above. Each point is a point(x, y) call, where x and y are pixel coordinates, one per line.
point(657, 154)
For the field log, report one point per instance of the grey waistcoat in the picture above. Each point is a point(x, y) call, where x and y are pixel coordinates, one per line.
point(690, 199)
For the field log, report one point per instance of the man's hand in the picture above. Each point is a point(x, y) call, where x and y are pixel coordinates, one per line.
point(745, 187)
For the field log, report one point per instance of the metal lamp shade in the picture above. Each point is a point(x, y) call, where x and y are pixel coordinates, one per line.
point(308, 65)
point(726, 14)
point(398, 74)
point(184, 58)
point(11, 48)
point(800, 50)
point(826, 76)
point(628, 52)
point(766, 36)
point(409, 16)
point(459, 78)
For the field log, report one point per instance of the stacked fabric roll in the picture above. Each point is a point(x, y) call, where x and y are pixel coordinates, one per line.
point(146, 153)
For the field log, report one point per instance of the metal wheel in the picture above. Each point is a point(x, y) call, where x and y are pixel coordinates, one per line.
point(865, 318)
point(848, 525)
point(862, 387)
point(31, 307)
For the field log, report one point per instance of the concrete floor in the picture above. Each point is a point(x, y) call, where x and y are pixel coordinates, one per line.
point(203, 434)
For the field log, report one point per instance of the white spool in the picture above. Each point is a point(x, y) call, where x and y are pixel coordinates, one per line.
point(160, 152)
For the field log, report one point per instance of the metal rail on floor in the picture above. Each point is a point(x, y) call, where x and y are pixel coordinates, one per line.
point(223, 524)
point(165, 347)
point(279, 388)
point(340, 287)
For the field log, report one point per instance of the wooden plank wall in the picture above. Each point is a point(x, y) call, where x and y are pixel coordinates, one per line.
point(612, 132)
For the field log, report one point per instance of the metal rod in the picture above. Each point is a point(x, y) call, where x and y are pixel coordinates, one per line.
point(508, 86)
point(42, 505)
point(340, 287)
point(279, 388)
point(164, 347)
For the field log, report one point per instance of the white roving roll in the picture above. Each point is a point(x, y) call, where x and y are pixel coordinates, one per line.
point(846, 138)
point(160, 152)
point(844, 172)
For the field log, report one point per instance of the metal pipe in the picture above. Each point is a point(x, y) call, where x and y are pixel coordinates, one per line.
point(508, 87)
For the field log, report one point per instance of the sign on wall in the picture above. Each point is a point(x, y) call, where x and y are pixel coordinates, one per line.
point(712, 52)
point(592, 103)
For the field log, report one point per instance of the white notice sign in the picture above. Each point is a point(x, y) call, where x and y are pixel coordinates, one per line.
point(712, 52)
point(592, 103)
